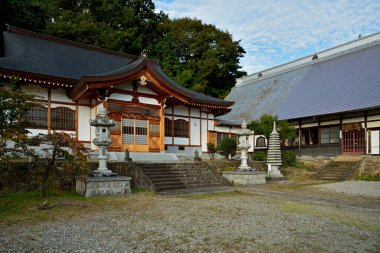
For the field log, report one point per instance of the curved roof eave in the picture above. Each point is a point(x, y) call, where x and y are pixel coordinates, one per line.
point(153, 70)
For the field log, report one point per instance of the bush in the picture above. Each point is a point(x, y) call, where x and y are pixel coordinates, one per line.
point(289, 159)
point(259, 156)
point(227, 147)
point(368, 178)
point(211, 149)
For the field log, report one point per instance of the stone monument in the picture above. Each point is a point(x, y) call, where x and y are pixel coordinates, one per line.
point(103, 181)
point(244, 145)
point(274, 155)
point(245, 175)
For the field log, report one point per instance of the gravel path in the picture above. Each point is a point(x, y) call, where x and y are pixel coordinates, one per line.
point(222, 222)
point(363, 188)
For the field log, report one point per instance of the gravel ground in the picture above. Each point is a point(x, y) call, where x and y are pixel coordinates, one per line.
point(363, 188)
point(222, 222)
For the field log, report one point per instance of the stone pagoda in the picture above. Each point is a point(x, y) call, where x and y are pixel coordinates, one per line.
point(274, 154)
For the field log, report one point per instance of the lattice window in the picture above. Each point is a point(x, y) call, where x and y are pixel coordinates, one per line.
point(116, 127)
point(154, 129)
point(128, 131)
point(62, 118)
point(168, 127)
point(141, 131)
point(36, 117)
point(181, 128)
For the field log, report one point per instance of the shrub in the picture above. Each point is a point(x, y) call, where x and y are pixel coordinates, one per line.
point(289, 159)
point(368, 178)
point(259, 156)
point(227, 147)
point(211, 149)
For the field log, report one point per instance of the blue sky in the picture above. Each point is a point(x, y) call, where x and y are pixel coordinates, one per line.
point(278, 31)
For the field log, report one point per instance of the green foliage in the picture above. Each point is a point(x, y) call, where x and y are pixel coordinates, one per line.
point(259, 156)
point(289, 159)
point(211, 149)
point(199, 56)
point(227, 147)
point(14, 103)
point(368, 178)
point(264, 126)
point(28, 14)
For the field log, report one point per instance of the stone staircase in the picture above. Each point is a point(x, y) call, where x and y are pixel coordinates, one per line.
point(175, 176)
point(337, 170)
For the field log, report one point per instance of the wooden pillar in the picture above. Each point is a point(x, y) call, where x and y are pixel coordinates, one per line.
point(49, 111)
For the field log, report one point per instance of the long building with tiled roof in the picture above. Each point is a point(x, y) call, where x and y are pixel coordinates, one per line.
point(332, 97)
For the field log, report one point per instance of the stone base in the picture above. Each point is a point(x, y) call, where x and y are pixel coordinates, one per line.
point(274, 172)
point(103, 186)
point(245, 177)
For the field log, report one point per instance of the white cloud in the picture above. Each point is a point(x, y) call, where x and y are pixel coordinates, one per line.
point(276, 31)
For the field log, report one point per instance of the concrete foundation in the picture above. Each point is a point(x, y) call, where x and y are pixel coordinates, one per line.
point(245, 177)
point(103, 186)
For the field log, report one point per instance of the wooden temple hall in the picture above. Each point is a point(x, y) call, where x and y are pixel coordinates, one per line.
point(152, 112)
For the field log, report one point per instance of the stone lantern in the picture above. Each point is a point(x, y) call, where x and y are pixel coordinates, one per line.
point(102, 140)
point(244, 145)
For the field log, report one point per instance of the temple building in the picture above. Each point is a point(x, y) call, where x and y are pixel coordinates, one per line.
point(152, 112)
point(332, 98)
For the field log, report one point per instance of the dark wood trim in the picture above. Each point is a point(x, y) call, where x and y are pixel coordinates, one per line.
point(189, 125)
point(172, 125)
point(132, 93)
point(76, 122)
point(49, 111)
point(181, 145)
point(126, 103)
point(84, 141)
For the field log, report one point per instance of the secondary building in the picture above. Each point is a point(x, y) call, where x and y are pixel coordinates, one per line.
point(331, 97)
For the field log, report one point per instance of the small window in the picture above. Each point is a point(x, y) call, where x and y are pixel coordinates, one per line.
point(181, 147)
point(62, 118)
point(181, 128)
point(330, 135)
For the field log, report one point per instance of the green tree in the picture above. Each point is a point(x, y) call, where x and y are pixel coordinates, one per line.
point(128, 26)
point(264, 126)
point(227, 147)
point(14, 103)
point(198, 56)
point(28, 14)
point(59, 144)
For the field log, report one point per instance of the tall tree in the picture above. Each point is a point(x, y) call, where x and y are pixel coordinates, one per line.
point(199, 56)
point(264, 126)
point(122, 25)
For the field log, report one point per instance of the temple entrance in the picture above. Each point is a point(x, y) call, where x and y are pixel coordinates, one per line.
point(354, 142)
point(136, 129)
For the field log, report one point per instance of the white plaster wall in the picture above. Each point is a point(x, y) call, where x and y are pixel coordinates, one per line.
point(60, 94)
point(211, 125)
point(181, 141)
point(211, 116)
point(55, 105)
point(204, 115)
point(375, 149)
point(168, 140)
point(204, 135)
point(83, 123)
point(222, 129)
point(353, 120)
point(181, 110)
point(195, 132)
point(121, 97)
point(36, 90)
point(150, 101)
point(373, 117)
point(34, 132)
point(93, 112)
point(194, 112)
point(373, 124)
point(311, 124)
point(330, 122)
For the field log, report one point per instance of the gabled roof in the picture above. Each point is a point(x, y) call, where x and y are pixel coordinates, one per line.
point(343, 80)
point(34, 55)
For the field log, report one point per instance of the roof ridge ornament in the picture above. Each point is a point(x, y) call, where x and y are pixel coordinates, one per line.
point(144, 53)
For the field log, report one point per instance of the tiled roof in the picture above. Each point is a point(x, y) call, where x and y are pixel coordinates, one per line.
point(347, 81)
